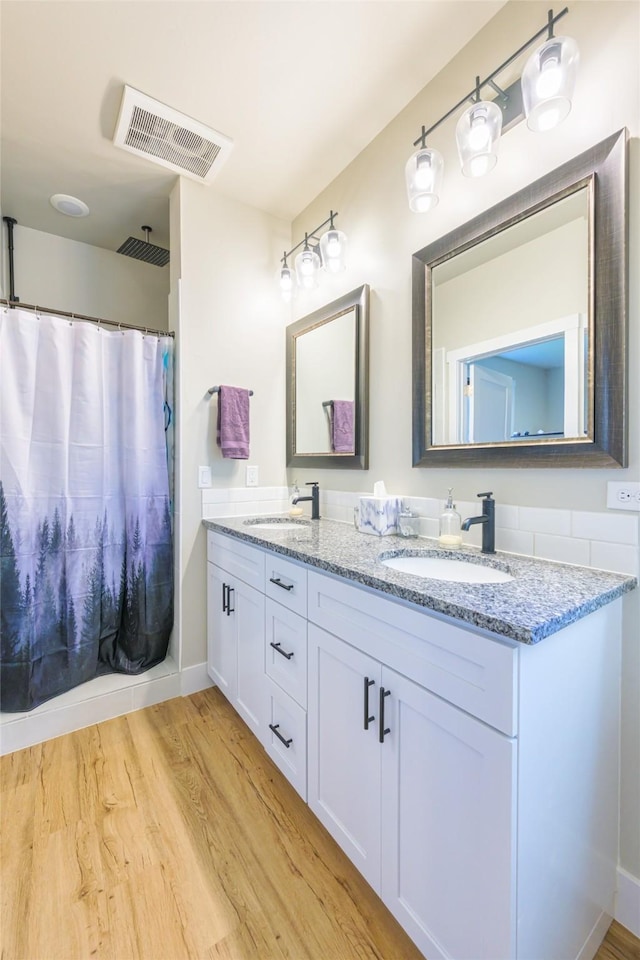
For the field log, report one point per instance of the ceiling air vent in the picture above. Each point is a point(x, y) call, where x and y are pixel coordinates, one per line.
point(152, 130)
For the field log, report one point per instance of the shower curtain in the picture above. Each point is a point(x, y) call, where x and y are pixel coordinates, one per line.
point(86, 560)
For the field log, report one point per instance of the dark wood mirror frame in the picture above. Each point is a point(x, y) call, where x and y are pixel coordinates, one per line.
point(605, 166)
point(358, 300)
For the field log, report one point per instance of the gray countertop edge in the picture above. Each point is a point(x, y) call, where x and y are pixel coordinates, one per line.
point(544, 598)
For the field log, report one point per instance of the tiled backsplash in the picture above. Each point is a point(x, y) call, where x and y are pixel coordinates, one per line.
point(607, 540)
point(244, 502)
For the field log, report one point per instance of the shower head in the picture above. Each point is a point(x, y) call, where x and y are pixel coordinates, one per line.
point(143, 250)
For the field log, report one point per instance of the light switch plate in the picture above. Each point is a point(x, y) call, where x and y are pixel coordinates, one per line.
point(251, 477)
point(623, 495)
point(204, 477)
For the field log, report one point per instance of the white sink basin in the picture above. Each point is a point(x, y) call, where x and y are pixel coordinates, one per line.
point(441, 568)
point(276, 523)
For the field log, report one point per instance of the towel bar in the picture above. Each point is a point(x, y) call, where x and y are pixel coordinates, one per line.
point(213, 390)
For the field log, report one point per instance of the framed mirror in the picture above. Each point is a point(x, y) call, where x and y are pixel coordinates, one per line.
point(520, 326)
point(328, 385)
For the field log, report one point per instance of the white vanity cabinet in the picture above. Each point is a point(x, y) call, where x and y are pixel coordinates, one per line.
point(417, 792)
point(257, 646)
point(419, 795)
point(235, 627)
point(473, 780)
point(286, 668)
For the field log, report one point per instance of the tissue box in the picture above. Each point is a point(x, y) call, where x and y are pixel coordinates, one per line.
point(379, 515)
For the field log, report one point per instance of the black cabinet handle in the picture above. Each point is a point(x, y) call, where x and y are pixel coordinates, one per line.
point(279, 583)
point(227, 590)
point(274, 728)
point(383, 730)
point(367, 719)
point(276, 646)
point(224, 597)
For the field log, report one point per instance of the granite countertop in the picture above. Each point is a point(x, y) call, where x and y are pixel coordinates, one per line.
point(542, 598)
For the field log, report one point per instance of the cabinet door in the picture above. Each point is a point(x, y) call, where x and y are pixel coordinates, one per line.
point(247, 611)
point(221, 642)
point(343, 757)
point(448, 824)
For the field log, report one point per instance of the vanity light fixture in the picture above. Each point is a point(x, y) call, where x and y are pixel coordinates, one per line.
point(543, 95)
point(548, 80)
point(423, 174)
point(333, 248)
point(307, 266)
point(327, 251)
point(477, 135)
point(287, 279)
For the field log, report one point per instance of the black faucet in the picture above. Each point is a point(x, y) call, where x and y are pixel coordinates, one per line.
point(488, 521)
point(315, 499)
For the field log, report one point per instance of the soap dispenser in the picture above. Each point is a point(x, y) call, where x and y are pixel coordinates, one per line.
point(450, 525)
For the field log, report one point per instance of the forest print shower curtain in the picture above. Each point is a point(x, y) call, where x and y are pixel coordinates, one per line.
point(86, 560)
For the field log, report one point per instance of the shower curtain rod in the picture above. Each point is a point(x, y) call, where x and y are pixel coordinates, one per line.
point(81, 316)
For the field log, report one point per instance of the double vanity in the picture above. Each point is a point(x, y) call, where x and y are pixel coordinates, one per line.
point(451, 718)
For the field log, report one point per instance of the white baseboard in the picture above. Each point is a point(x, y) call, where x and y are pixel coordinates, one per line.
point(101, 699)
point(595, 938)
point(628, 901)
point(193, 679)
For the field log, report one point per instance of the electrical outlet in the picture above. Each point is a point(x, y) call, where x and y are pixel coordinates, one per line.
point(251, 477)
point(623, 496)
point(204, 477)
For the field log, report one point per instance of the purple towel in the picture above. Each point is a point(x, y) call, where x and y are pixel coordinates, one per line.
point(233, 423)
point(342, 426)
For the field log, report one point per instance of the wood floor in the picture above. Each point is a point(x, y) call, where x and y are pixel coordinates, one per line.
point(168, 834)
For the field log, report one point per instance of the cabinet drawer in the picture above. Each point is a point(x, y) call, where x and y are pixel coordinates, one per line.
point(286, 582)
point(240, 559)
point(466, 668)
point(286, 651)
point(285, 737)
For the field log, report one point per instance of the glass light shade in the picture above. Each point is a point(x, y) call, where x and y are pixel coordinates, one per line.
point(547, 83)
point(423, 176)
point(287, 281)
point(477, 135)
point(307, 266)
point(333, 249)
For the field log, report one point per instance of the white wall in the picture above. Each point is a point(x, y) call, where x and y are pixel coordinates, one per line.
point(383, 234)
point(540, 281)
point(71, 276)
point(230, 331)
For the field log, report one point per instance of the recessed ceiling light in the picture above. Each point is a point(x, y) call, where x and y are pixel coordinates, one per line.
point(70, 206)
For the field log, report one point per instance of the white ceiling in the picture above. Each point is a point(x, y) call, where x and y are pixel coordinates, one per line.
point(301, 86)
